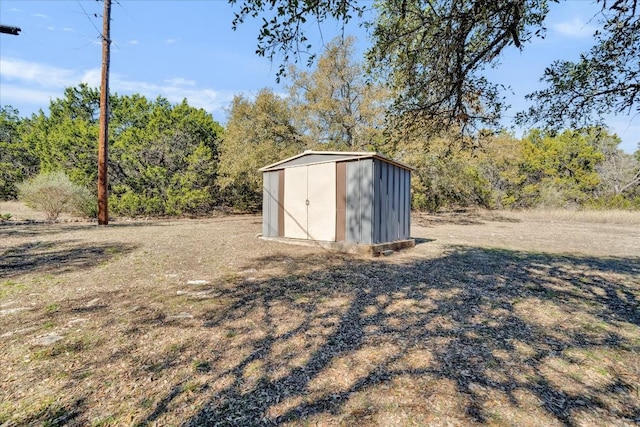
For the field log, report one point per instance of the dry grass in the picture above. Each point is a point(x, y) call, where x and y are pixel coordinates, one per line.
point(491, 319)
point(610, 216)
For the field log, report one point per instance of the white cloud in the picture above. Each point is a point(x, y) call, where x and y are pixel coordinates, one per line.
point(575, 28)
point(36, 84)
point(92, 77)
point(179, 81)
point(51, 28)
point(14, 94)
point(133, 42)
point(41, 15)
point(70, 30)
point(35, 73)
point(15, 9)
point(175, 91)
point(171, 41)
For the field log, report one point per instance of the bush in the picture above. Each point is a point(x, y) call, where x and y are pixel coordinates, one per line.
point(54, 193)
point(131, 204)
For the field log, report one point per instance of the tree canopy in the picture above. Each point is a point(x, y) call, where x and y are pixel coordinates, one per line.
point(334, 105)
point(604, 80)
point(433, 52)
point(259, 132)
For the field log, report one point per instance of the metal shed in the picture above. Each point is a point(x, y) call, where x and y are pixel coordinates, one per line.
point(354, 197)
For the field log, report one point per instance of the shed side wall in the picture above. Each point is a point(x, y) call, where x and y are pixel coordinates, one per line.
point(392, 204)
point(360, 199)
point(407, 205)
point(270, 207)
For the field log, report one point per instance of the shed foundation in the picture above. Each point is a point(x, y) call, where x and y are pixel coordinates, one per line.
point(348, 247)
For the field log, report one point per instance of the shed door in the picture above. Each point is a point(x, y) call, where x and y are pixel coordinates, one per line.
point(310, 202)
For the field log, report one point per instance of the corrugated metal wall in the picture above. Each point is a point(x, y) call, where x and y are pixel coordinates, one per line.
point(392, 204)
point(270, 194)
point(359, 212)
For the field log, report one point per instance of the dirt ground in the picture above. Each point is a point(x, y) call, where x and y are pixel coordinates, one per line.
point(493, 318)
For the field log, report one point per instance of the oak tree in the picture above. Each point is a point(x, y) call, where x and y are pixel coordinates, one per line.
point(604, 80)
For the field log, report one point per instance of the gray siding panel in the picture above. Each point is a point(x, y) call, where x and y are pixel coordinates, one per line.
point(353, 229)
point(360, 191)
point(270, 204)
point(406, 218)
point(395, 204)
point(384, 200)
point(366, 201)
point(392, 202)
point(388, 236)
point(377, 189)
point(407, 204)
point(401, 207)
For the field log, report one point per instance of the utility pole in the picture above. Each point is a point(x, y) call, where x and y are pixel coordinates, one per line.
point(103, 138)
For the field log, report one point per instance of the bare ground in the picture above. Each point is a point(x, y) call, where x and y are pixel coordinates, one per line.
point(494, 318)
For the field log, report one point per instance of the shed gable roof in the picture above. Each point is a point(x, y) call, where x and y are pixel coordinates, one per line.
point(309, 157)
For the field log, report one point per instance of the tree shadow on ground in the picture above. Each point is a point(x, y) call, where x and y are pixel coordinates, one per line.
point(56, 415)
point(58, 256)
point(474, 336)
point(43, 228)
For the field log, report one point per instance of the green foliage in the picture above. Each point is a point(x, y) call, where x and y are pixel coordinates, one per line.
point(18, 159)
point(499, 159)
point(572, 169)
point(162, 157)
point(258, 133)
point(283, 24)
point(618, 201)
point(54, 193)
point(67, 139)
point(434, 53)
point(166, 159)
point(334, 106)
point(446, 177)
point(560, 169)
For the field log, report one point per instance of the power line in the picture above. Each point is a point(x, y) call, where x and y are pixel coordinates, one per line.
point(89, 18)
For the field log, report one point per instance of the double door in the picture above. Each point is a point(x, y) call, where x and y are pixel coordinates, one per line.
point(310, 202)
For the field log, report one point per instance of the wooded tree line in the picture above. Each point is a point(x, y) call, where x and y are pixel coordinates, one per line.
point(173, 159)
point(163, 157)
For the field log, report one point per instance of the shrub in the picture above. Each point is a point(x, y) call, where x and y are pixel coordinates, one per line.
point(54, 193)
point(132, 204)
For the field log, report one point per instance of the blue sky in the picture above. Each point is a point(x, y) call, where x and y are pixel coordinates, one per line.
point(187, 49)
